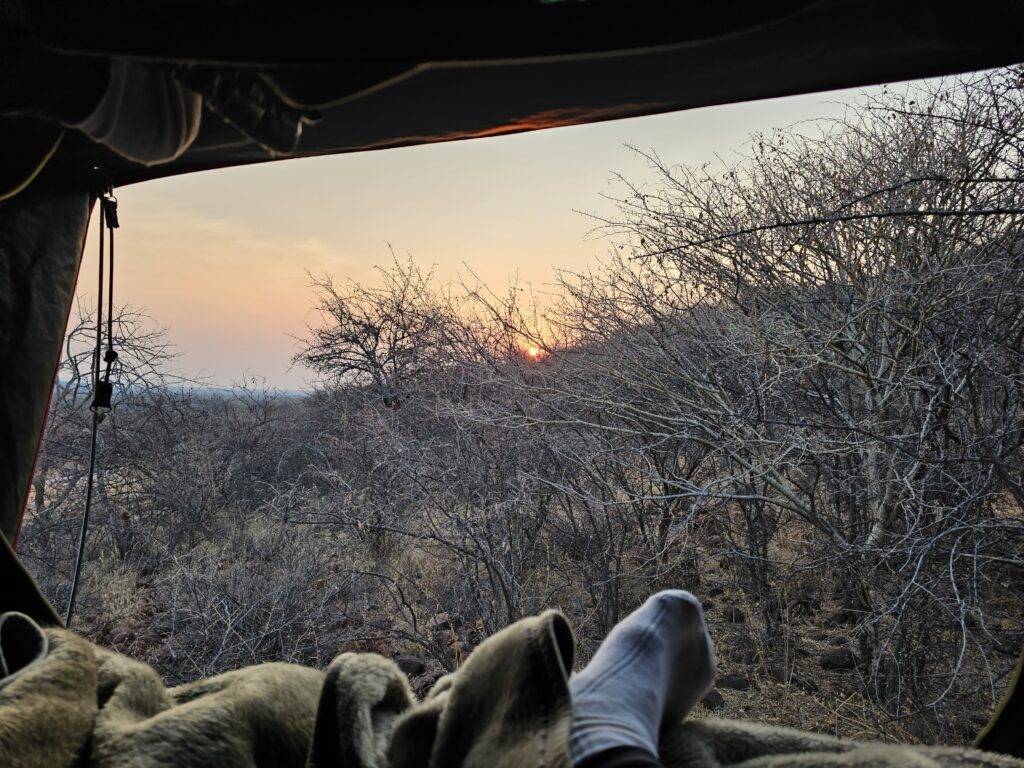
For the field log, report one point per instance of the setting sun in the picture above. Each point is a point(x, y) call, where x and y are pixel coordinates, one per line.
point(533, 352)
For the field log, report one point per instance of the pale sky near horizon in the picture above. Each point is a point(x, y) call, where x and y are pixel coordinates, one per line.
point(221, 258)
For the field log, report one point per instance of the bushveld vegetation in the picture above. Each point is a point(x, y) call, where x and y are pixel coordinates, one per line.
point(795, 386)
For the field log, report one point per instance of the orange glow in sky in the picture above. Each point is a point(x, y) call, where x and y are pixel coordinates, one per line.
point(221, 257)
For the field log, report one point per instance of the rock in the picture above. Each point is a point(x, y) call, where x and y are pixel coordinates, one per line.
point(1006, 650)
point(449, 637)
point(979, 720)
point(713, 699)
point(121, 636)
point(1000, 625)
point(749, 656)
point(789, 677)
point(733, 614)
point(806, 685)
point(444, 620)
point(423, 683)
point(838, 658)
point(411, 665)
point(438, 620)
point(458, 649)
point(806, 602)
point(380, 646)
point(844, 616)
point(773, 610)
point(735, 682)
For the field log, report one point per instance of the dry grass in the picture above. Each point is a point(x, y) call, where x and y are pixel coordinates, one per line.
point(846, 715)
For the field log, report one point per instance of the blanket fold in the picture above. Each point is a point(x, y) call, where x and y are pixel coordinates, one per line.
point(66, 702)
point(716, 743)
point(508, 705)
point(47, 707)
point(21, 643)
point(361, 698)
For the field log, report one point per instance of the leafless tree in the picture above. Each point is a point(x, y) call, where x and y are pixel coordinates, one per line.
point(837, 319)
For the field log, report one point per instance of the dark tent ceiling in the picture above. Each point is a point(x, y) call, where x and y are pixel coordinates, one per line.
point(396, 73)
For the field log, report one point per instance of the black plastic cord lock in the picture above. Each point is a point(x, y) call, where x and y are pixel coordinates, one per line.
point(101, 398)
point(109, 204)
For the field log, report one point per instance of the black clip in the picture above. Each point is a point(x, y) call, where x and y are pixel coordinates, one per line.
point(101, 396)
point(109, 203)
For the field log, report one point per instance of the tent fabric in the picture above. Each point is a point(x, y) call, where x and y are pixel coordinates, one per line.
point(1003, 732)
point(67, 701)
point(402, 73)
point(42, 233)
point(140, 96)
point(20, 592)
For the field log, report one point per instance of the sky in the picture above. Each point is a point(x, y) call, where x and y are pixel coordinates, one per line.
point(223, 258)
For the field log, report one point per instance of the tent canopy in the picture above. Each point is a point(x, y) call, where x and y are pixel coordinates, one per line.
point(399, 72)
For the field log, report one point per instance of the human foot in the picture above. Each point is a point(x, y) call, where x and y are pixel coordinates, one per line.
point(650, 671)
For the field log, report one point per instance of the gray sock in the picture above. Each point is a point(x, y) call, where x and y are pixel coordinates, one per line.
point(651, 670)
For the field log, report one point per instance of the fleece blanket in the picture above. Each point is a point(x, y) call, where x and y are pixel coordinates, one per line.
point(67, 702)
